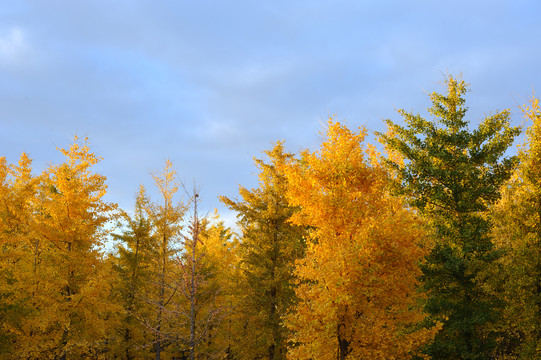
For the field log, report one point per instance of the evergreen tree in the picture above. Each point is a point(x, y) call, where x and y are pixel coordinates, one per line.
point(451, 175)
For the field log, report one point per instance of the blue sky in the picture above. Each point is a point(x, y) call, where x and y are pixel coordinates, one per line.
point(210, 84)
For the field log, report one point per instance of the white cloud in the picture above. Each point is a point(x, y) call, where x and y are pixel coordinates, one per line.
point(14, 49)
point(230, 220)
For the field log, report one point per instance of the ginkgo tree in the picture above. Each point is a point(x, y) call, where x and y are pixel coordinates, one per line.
point(71, 316)
point(19, 250)
point(168, 280)
point(517, 233)
point(221, 249)
point(356, 285)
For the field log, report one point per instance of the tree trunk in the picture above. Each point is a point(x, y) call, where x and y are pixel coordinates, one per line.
point(193, 289)
point(538, 279)
point(157, 347)
point(272, 315)
point(273, 297)
point(343, 344)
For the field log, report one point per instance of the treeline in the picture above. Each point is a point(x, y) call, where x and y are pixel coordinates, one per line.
point(429, 250)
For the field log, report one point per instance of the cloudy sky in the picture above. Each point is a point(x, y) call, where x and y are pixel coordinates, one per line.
point(210, 84)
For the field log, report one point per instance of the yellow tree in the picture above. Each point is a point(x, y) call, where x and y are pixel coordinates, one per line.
point(146, 264)
point(18, 250)
point(166, 217)
point(133, 261)
point(517, 231)
point(5, 247)
point(71, 316)
point(357, 297)
point(206, 277)
point(199, 307)
point(220, 247)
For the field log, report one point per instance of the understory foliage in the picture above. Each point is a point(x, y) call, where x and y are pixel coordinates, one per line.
point(432, 250)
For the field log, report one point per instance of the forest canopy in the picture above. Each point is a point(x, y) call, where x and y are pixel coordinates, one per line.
point(430, 249)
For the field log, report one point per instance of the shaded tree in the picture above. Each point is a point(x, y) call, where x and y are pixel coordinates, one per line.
point(133, 265)
point(268, 250)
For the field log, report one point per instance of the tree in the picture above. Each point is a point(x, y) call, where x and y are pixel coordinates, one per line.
point(269, 248)
point(71, 316)
point(199, 307)
point(451, 175)
point(133, 264)
point(166, 219)
point(18, 249)
point(356, 286)
point(221, 249)
point(517, 233)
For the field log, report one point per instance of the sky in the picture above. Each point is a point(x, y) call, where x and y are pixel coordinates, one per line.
point(211, 84)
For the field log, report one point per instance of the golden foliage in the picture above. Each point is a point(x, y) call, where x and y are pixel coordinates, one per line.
point(357, 282)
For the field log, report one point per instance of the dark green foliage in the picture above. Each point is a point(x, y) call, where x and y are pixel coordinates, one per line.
point(451, 174)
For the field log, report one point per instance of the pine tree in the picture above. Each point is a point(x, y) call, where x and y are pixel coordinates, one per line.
point(451, 175)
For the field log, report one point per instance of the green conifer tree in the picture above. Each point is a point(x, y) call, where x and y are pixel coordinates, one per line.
point(451, 175)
